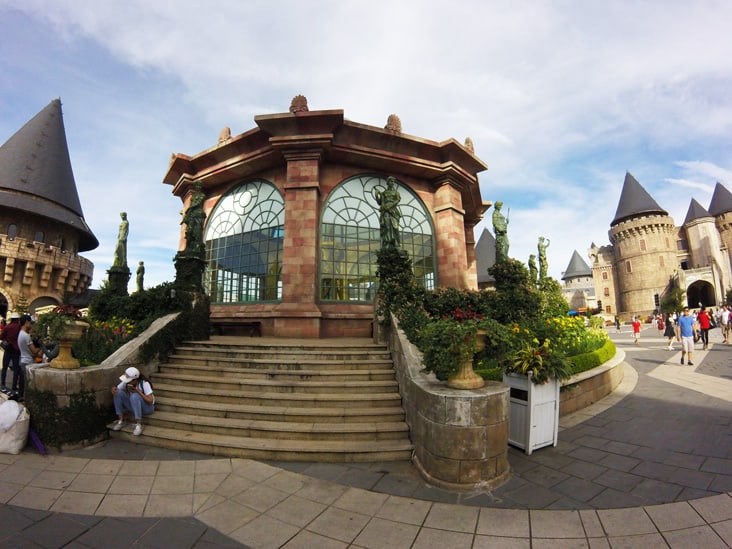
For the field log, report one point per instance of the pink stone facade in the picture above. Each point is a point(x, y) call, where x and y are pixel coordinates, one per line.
point(306, 154)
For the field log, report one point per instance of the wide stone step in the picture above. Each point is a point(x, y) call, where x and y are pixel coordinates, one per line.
point(334, 414)
point(284, 362)
point(279, 429)
point(250, 352)
point(270, 397)
point(313, 385)
point(385, 374)
point(270, 449)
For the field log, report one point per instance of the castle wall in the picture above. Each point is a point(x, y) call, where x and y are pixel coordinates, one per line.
point(644, 260)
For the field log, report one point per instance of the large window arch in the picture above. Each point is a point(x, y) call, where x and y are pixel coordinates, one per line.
point(244, 236)
point(350, 238)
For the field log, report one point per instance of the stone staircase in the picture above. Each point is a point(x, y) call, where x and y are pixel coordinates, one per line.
point(330, 400)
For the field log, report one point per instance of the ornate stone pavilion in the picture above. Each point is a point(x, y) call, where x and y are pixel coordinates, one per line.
point(42, 227)
point(292, 225)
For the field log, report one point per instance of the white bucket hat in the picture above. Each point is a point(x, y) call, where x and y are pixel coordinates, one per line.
point(14, 315)
point(130, 374)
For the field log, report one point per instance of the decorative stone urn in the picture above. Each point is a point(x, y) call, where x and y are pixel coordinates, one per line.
point(73, 332)
point(465, 377)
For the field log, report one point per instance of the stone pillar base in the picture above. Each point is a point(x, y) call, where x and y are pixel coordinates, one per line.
point(189, 271)
point(118, 278)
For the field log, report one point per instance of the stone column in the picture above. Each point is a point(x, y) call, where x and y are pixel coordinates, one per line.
point(471, 273)
point(452, 260)
point(298, 313)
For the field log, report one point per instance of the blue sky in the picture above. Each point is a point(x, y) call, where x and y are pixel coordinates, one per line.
point(560, 98)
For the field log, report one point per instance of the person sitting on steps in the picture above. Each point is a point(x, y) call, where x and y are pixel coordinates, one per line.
point(135, 394)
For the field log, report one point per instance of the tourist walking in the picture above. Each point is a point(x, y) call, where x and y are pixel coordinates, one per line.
point(636, 330)
point(704, 320)
point(669, 332)
point(724, 320)
point(686, 327)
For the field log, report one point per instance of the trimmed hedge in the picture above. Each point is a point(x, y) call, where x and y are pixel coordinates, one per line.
point(588, 361)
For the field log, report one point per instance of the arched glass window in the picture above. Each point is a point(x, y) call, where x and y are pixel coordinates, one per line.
point(39, 237)
point(244, 237)
point(350, 238)
point(12, 230)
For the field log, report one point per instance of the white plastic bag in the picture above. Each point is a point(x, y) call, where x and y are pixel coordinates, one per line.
point(9, 412)
point(14, 439)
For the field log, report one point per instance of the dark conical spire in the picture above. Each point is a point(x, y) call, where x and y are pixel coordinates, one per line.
point(696, 211)
point(36, 174)
point(485, 256)
point(634, 201)
point(721, 200)
point(577, 267)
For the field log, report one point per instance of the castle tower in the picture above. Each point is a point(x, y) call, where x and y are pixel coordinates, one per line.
point(578, 290)
point(705, 250)
point(720, 208)
point(643, 239)
point(42, 226)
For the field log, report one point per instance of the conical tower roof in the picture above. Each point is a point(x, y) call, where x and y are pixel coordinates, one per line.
point(696, 211)
point(635, 201)
point(721, 200)
point(485, 256)
point(36, 175)
point(577, 267)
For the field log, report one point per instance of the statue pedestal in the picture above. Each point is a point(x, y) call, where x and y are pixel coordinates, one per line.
point(189, 271)
point(118, 279)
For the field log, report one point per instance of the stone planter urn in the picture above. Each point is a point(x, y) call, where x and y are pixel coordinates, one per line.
point(465, 377)
point(73, 332)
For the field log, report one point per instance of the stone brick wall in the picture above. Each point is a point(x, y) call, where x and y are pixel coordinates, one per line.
point(460, 437)
point(99, 378)
point(588, 387)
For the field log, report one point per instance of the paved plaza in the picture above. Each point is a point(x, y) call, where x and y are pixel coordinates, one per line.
point(648, 466)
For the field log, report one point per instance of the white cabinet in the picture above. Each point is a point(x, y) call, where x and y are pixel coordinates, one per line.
point(534, 412)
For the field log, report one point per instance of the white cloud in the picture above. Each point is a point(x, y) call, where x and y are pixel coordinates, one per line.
point(560, 98)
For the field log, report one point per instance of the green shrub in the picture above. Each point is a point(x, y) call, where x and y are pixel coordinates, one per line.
point(193, 323)
point(588, 361)
point(81, 420)
point(103, 338)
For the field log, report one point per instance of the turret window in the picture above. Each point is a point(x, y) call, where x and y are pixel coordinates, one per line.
point(643, 245)
point(604, 275)
point(660, 261)
point(627, 267)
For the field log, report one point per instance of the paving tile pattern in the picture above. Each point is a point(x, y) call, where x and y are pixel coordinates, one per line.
point(653, 469)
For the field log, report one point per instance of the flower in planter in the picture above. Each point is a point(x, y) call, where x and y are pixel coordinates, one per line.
point(542, 361)
point(53, 325)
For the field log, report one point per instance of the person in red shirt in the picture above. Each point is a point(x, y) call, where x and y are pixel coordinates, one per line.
point(636, 330)
point(703, 319)
point(11, 355)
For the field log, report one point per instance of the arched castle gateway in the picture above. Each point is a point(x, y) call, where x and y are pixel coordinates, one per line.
point(292, 226)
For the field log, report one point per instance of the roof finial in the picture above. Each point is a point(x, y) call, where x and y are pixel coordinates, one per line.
point(299, 104)
point(393, 124)
point(469, 145)
point(225, 135)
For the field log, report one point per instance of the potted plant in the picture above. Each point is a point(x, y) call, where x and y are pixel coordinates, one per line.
point(534, 374)
point(63, 325)
point(448, 346)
